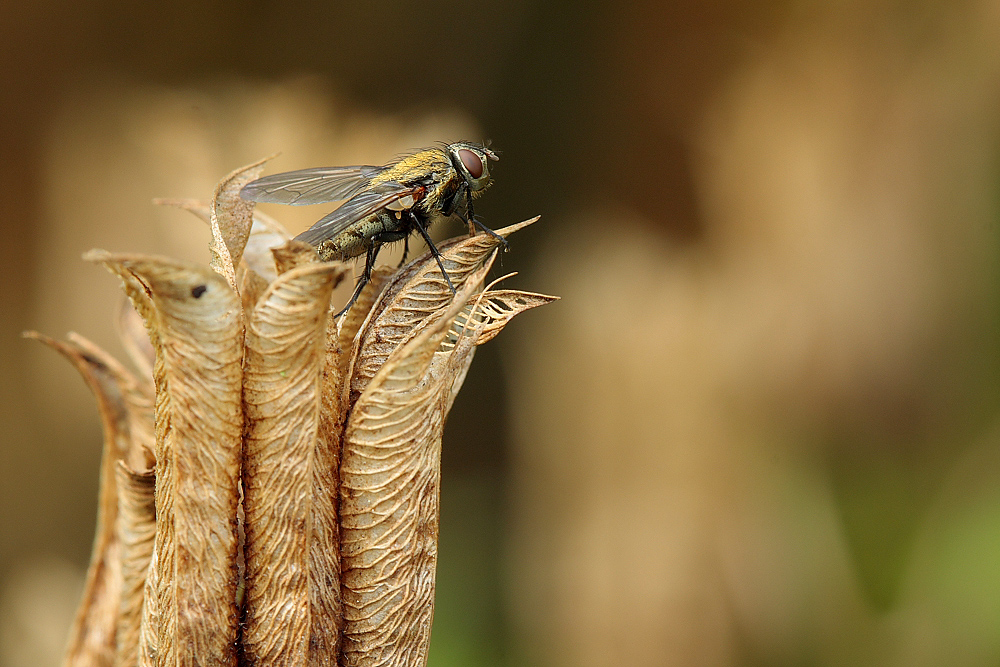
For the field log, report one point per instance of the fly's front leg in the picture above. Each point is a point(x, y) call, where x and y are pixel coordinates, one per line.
point(471, 215)
point(454, 208)
point(473, 223)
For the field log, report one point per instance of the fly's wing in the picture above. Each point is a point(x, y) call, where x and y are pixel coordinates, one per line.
point(358, 207)
point(310, 186)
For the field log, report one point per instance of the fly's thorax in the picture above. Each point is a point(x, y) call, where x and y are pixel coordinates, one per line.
point(432, 163)
point(438, 198)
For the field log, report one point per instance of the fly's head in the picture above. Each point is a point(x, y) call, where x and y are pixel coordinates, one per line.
point(471, 162)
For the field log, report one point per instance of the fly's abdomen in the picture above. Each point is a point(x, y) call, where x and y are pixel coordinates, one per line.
point(378, 228)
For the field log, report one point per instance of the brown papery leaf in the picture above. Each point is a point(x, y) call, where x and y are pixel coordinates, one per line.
point(232, 218)
point(324, 591)
point(149, 628)
point(139, 295)
point(285, 511)
point(252, 287)
point(136, 532)
point(495, 308)
point(324, 562)
point(137, 397)
point(266, 233)
point(344, 334)
point(196, 320)
point(92, 636)
point(390, 483)
point(294, 253)
point(414, 293)
point(132, 333)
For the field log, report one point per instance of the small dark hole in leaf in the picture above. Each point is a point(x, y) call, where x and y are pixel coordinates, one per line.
point(198, 290)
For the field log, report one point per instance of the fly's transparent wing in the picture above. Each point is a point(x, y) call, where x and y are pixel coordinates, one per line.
point(310, 186)
point(358, 207)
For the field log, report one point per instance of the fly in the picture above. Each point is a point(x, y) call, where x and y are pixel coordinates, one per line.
point(384, 204)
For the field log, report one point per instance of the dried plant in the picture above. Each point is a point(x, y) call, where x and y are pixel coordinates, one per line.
point(270, 478)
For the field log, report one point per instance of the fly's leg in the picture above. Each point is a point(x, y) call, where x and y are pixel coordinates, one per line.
point(469, 212)
point(406, 251)
point(434, 250)
point(366, 276)
point(452, 206)
point(472, 222)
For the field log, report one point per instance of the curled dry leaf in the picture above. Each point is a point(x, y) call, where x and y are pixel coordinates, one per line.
point(417, 291)
point(92, 636)
point(136, 531)
point(296, 253)
point(285, 508)
point(265, 235)
point(498, 307)
point(232, 219)
point(132, 333)
point(137, 397)
point(390, 483)
point(197, 321)
point(358, 315)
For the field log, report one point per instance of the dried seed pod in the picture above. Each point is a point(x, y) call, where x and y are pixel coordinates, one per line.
point(247, 360)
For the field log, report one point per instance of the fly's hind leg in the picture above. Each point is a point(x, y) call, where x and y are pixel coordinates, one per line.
point(406, 251)
point(370, 257)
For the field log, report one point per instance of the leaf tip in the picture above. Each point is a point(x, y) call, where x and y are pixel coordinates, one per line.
point(97, 256)
point(510, 229)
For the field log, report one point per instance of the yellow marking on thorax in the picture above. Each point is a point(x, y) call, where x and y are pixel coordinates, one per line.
point(424, 163)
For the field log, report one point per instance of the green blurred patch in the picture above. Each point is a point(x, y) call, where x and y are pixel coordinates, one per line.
point(468, 618)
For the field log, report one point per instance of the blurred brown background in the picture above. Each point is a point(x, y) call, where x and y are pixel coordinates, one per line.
point(761, 427)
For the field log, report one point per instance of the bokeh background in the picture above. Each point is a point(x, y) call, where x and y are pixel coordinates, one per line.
point(762, 427)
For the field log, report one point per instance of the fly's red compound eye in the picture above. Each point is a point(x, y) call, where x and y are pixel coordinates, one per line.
point(471, 162)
